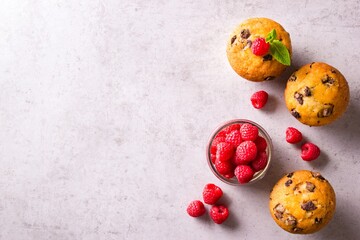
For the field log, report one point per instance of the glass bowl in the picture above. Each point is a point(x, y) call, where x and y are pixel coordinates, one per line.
point(258, 175)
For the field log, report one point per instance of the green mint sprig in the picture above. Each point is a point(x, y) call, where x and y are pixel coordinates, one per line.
point(277, 49)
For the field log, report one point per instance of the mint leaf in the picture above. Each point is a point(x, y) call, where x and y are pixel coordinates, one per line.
point(271, 36)
point(280, 52)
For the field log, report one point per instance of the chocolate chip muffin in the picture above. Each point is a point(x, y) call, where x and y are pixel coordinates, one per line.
point(302, 202)
point(243, 61)
point(317, 94)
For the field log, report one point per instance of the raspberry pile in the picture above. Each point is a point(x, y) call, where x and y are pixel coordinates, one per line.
point(238, 150)
point(211, 194)
point(309, 151)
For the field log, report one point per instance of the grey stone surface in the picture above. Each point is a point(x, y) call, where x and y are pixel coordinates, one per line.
point(106, 108)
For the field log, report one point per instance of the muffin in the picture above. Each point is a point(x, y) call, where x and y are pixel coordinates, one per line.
point(317, 94)
point(241, 58)
point(302, 202)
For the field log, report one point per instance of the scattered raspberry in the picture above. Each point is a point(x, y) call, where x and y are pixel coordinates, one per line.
point(219, 213)
point(309, 152)
point(245, 153)
point(260, 143)
point(248, 132)
point(260, 161)
point(196, 208)
point(234, 138)
point(212, 193)
point(293, 135)
point(224, 167)
point(215, 142)
point(259, 99)
point(244, 173)
point(224, 151)
point(260, 47)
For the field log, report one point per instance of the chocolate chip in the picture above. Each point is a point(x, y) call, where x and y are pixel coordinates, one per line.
point(293, 77)
point(248, 44)
point(317, 175)
point(278, 215)
point(295, 113)
point(310, 186)
point(290, 175)
point(290, 220)
point(233, 39)
point(267, 57)
point(318, 220)
point(311, 64)
point(268, 78)
point(307, 92)
point(245, 33)
point(297, 229)
point(333, 71)
point(299, 98)
point(326, 111)
point(279, 208)
point(327, 80)
point(308, 206)
point(288, 182)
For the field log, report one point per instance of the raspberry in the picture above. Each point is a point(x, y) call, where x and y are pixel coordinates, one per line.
point(211, 193)
point(234, 138)
point(260, 161)
point(213, 157)
point(259, 99)
point(260, 143)
point(260, 47)
point(245, 153)
point(219, 213)
point(231, 128)
point(196, 208)
point(224, 167)
point(248, 132)
point(244, 173)
point(224, 151)
point(293, 135)
point(229, 175)
point(309, 151)
point(215, 142)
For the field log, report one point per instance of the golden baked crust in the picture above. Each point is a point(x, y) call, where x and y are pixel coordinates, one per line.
point(317, 94)
point(243, 61)
point(302, 202)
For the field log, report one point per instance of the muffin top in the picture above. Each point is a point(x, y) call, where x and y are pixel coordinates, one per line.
point(317, 94)
point(243, 61)
point(302, 202)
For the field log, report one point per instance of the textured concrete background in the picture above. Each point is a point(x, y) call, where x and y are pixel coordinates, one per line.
point(106, 107)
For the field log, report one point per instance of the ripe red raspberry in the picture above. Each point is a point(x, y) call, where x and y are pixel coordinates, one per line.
point(293, 135)
point(259, 99)
point(260, 161)
point(215, 142)
point(309, 152)
point(224, 167)
point(260, 47)
point(231, 128)
point(196, 208)
point(219, 213)
point(245, 153)
point(249, 132)
point(244, 173)
point(213, 158)
point(234, 138)
point(260, 143)
point(224, 151)
point(212, 193)
point(229, 175)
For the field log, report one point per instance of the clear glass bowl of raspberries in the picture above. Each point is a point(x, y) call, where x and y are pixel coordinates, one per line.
point(239, 152)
